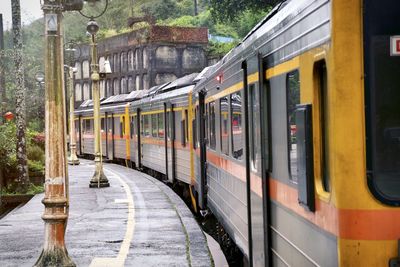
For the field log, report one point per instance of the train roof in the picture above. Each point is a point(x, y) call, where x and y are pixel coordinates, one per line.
point(285, 9)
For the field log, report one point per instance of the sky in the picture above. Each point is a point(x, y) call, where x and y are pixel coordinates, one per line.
point(30, 11)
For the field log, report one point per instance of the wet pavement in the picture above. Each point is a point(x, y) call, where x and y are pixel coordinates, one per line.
point(137, 221)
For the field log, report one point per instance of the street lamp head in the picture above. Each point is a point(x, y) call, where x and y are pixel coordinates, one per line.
point(92, 27)
point(39, 77)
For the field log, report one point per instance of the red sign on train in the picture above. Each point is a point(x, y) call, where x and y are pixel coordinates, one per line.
point(395, 45)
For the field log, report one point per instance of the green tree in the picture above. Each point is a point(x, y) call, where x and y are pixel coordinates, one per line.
point(231, 10)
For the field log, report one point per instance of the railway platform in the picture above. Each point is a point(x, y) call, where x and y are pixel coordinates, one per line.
point(137, 221)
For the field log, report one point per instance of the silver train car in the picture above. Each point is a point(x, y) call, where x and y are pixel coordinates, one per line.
point(262, 138)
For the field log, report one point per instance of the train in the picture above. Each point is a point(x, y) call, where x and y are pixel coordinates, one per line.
point(291, 140)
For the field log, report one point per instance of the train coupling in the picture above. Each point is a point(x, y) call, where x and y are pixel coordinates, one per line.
point(204, 214)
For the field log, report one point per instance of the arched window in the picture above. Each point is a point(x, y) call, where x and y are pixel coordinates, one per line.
point(78, 92)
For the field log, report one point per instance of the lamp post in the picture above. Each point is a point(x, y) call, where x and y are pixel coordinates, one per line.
point(55, 215)
point(72, 159)
point(99, 179)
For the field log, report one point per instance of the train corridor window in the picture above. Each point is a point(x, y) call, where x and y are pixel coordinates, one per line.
point(254, 127)
point(236, 125)
point(293, 99)
point(320, 75)
point(122, 127)
point(187, 125)
point(161, 125)
point(206, 126)
point(102, 125)
point(213, 139)
point(224, 114)
point(146, 125)
point(194, 129)
point(132, 126)
point(154, 125)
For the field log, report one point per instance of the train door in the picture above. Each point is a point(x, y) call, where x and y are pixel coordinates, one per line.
point(139, 135)
point(256, 176)
point(169, 118)
point(203, 150)
point(80, 133)
point(110, 134)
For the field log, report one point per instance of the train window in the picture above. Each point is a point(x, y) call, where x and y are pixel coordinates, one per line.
point(236, 125)
point(161, 125)
point(186, 125)
point(194, 129)
point(102, 125)
point(206, 126)
point(88, 128)
point(320, 76)
point(122, 127)
point(213, 139)
point(132, 126)
point(224, 114)
point(146, 125)
point(254, 119)
point(154, 125)
point(293, 99)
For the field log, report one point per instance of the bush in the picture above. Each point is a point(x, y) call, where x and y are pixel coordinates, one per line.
point(35, 153)
point(35, 166)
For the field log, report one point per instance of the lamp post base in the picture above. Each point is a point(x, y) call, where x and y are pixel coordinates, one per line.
point(73, 160)
point(99, 179)
point(55, 257)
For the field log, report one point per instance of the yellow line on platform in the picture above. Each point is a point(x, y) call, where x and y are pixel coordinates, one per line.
point(119, 261)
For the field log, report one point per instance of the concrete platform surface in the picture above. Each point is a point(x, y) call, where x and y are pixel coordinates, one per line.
point(137, 221)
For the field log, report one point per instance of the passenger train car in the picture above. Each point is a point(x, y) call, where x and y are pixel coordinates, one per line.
point(291, 140)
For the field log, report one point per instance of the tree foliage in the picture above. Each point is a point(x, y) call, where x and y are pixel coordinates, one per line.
point(232, 10)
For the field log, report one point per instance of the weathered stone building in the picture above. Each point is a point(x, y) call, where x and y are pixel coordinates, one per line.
point(143, 58)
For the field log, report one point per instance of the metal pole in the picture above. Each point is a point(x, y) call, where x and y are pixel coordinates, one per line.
point(55, 200)
point(2, 90)
point(99, 179)
point(73, 159)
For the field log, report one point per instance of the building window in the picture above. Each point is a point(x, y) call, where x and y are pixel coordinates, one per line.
point(145, 59)
point(124, 62)
point(137, 59)
point(109, 88)
point(78, 74)
point(146, 82)
point(86, 69)
point(236, 125)
point(78, 92)
point(131, 84)
point(116, 87)
point(131, 61)
point(224, 114)
point(102, 89)
point(138, 83)
point(124, 86)
point(86, 91)
point(116, 63)
point(293, 99)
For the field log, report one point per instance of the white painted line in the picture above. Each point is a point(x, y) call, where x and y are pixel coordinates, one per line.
point(119, 261)
point(121, 201)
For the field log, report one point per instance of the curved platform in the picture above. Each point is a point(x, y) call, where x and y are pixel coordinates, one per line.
point(137, 221)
